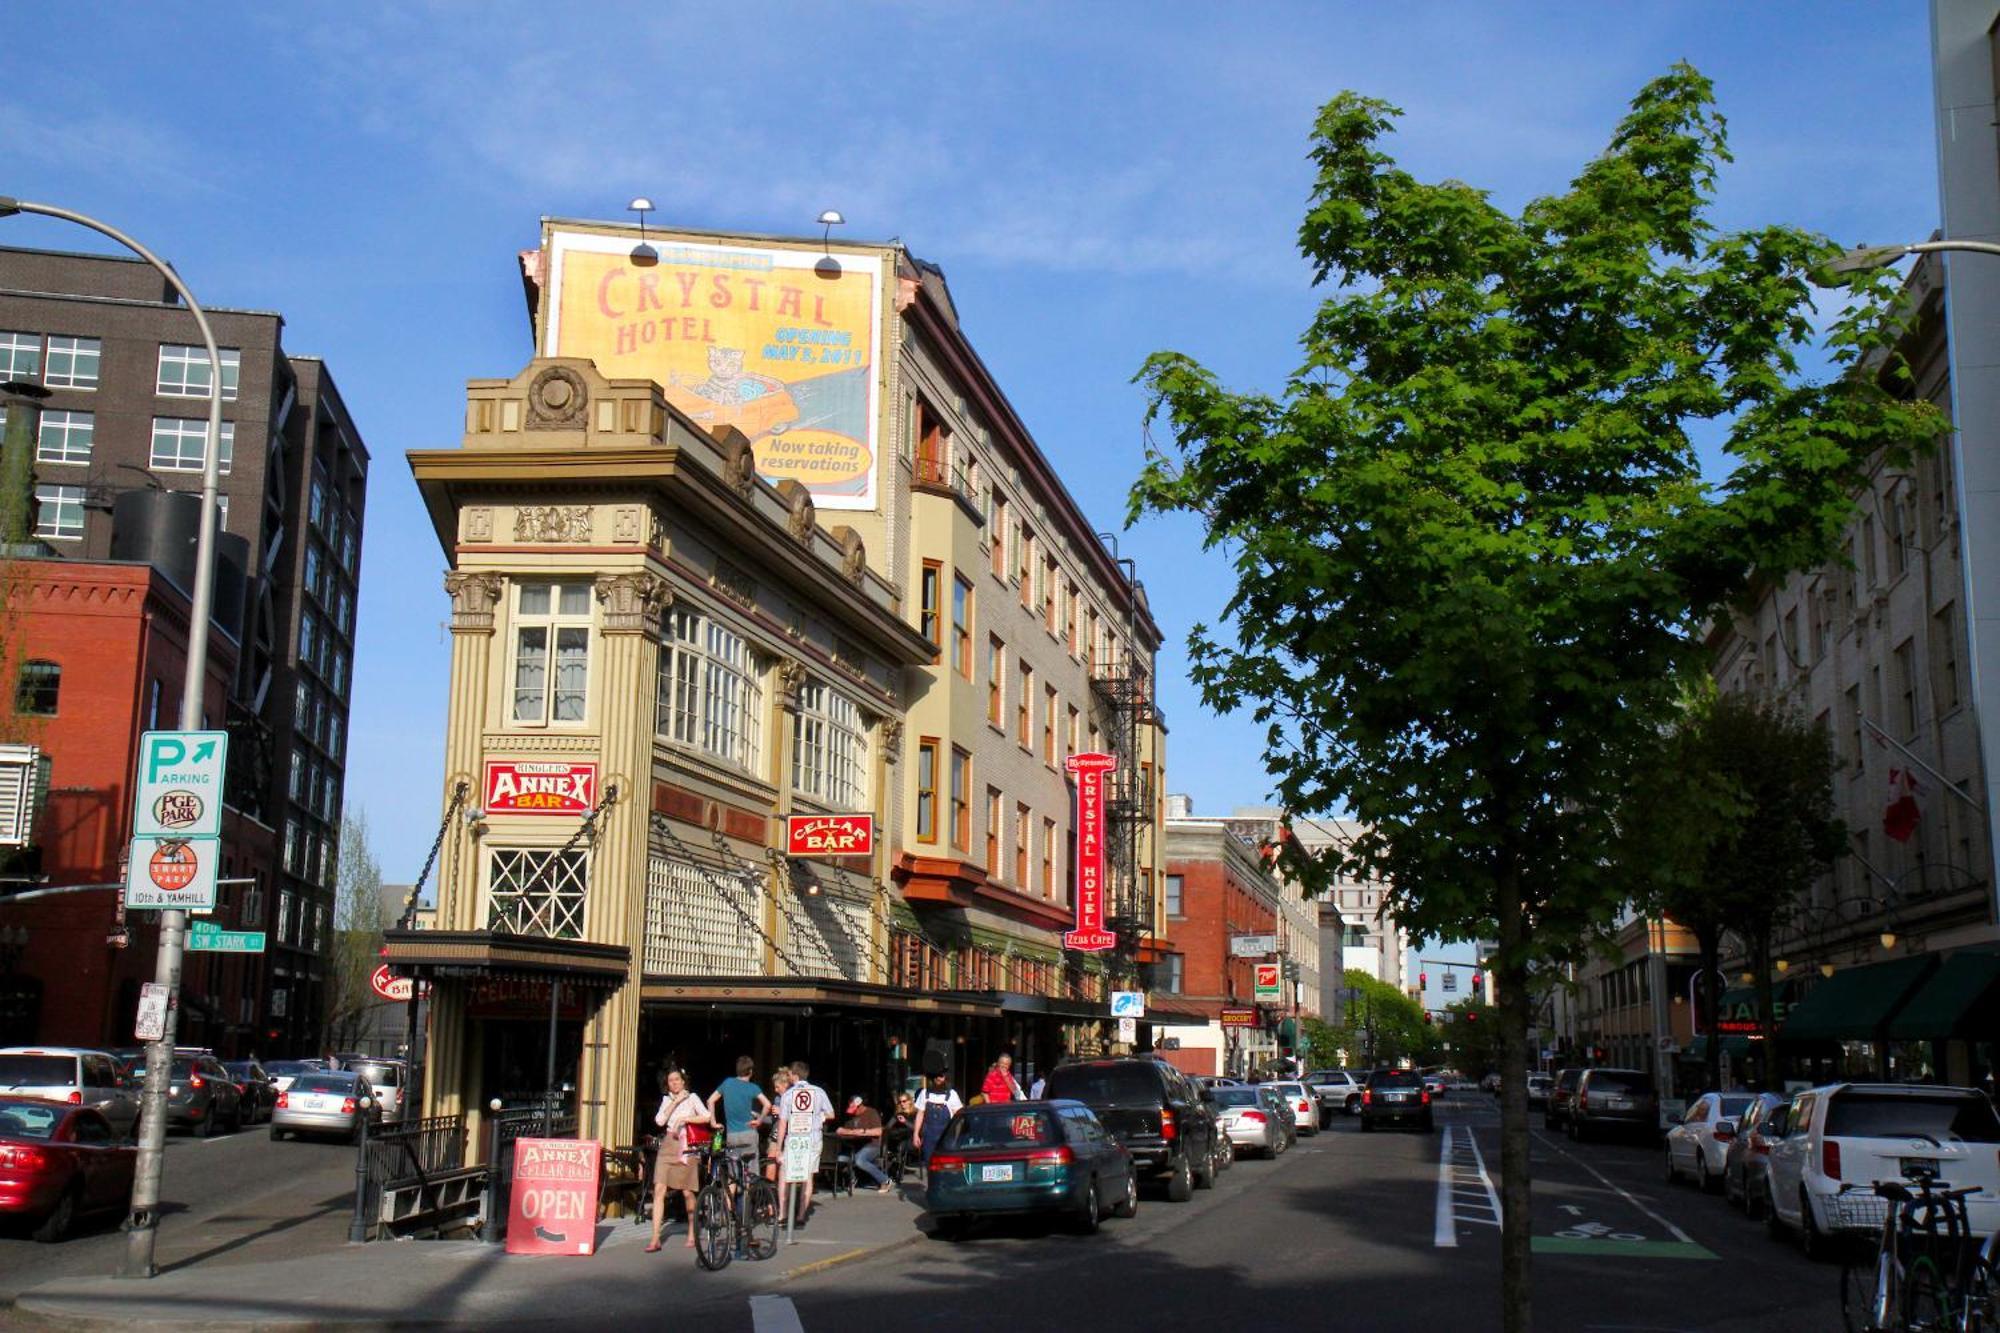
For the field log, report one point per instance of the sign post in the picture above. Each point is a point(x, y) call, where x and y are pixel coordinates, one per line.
point(803, 1142)
point(1090, 936)
point(207, 937)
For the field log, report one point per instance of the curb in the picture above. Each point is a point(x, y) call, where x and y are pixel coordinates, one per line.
point(819, 1266)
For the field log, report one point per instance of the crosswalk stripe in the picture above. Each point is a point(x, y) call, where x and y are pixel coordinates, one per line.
point(775, 1314)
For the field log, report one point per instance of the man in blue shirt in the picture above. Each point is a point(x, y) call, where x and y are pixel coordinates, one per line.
point(743, 1104)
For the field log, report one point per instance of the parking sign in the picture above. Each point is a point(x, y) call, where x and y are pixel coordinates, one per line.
point(179, 793)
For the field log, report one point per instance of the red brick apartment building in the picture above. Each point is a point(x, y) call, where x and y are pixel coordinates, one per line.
point(1216, 888)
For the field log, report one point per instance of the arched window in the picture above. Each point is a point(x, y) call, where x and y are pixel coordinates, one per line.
point(35, 693)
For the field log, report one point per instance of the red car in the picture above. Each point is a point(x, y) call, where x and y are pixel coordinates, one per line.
point(59, 1163)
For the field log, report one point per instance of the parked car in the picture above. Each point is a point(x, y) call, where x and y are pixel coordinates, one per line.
point(1612, 1101)
point(1434, 1083)
point(1304, 1103)
point(200, 1094)
point(1161, 1118)
point(1746, 1175)
point(1538, 1090)
point(1698, 1146)
point(1394, 1095)
point(282, 1072)
point(1842, 1139)
point(386, 1077)
point(328, 1102)
point(1338, 1089)
point(1249, 1120)
point(75, 1076)
point(60, 1163)
point(260, 1093)
point(1491, 1083)
point(1555, 1111)
point(1028, 1157)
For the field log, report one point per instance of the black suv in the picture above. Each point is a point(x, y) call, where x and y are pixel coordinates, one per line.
point(1609, 1100)
point(1393, 1095)
point(1164, 1121)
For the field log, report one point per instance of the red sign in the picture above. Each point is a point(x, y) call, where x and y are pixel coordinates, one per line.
point(1239, 1018)
point(1090, 936)
point(392, 987)
point(554, 1205)
point(541, 787)
point(836, 835)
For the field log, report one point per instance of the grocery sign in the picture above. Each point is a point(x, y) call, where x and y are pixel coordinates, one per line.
point(540, 787)
point(1239, 1018)
point(821, 835)
point(1090, 936)
point(777, 342)
point(553, 1209)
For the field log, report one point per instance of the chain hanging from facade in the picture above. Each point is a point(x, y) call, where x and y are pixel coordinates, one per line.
point(666, 830)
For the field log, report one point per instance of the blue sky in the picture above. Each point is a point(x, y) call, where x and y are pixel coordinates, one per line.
point(1098, 181)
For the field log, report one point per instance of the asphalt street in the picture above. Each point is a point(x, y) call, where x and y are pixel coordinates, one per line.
point(232, 1198)
point(1389, 1230)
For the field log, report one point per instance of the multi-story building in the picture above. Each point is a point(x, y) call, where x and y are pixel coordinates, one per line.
point(756, 535)
point(1369, 937)
point(1873, 648)
point(1632, 1006)
point(97, 655)
point(1219, 890)
point(128, 385)
point(1300, 926)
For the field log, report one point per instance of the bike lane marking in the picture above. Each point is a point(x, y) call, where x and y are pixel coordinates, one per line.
point(1463, 1182)
point(1582, 1235)
point(774, 1314)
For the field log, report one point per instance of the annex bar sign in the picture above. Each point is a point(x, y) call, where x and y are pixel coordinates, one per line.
point(540, 787)
point(1090, 936)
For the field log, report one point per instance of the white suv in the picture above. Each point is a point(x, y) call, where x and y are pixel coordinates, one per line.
point(79, 1077)
point(1842, 1139)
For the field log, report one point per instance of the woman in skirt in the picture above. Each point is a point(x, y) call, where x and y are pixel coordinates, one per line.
point(674, 1168)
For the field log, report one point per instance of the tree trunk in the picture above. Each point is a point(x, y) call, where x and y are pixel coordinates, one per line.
point(1767, 993)
point(1710, 942)
point(1516, 1009)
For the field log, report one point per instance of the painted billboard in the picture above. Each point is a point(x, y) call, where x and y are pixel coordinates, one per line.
point(781, 344)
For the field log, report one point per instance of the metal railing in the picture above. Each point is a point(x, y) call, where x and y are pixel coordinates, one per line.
point(411, 1153)
point(504, 1129)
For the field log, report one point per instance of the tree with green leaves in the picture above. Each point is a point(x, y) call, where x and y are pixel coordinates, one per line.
point(1379, 1026)
point(1473, 1041)
point(355, 950)
point(1471, 537)
point(1725, 826)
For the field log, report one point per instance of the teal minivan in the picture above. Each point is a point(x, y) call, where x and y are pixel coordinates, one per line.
point(1028, 1157)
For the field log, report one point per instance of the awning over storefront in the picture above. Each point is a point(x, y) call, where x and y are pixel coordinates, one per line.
point(443, 954)
point(1166, 1013)
point(1962, 999)
point(786, 993)
point(1856, 1004)
point(1736, 1048)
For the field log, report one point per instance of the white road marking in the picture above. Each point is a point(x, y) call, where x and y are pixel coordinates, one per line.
point(1446, 1235)
point(1678, 1234)
point(774, 1314)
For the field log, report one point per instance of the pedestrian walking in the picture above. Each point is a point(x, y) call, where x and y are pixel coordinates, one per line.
point(1000, 1084)
point(1040, 1086)
point(821, 1108)
point(781, 1079)
point(742, 1106)
point(686, 1122)
point(863, 1133)
point(936, 1105)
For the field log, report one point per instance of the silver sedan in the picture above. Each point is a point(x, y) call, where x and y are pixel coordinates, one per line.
point(325, 1103)
point(1252, 1120)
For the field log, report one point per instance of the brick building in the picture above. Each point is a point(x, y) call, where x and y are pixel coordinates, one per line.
point(128, 385)
point(1217, 888)
point(102, 656)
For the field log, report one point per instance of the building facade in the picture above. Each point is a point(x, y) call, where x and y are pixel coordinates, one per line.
point(102, 656)
point(756, 536)
point(126, 412)
point(1301, 930)
point(1219, 889)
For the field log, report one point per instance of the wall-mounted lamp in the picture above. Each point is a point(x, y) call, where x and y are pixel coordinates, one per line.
point(1826, 969)
point(828, 220)
point(1888, 939)
point(644, 255)
point(1783, 965)
point(1747, 978)
point(474, 815)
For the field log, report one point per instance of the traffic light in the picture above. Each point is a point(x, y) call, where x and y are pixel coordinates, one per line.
point(1478, 979)
point(1423, 979)
point(1472, 1015)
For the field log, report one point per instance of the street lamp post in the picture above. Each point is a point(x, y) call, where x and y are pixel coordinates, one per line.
point(143, 1224)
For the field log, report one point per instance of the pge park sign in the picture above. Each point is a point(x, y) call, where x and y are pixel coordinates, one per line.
point(829, 835)
point(553, 1209)
point(540, 787)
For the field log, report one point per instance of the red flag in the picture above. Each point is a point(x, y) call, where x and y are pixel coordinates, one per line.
point(1899, 820)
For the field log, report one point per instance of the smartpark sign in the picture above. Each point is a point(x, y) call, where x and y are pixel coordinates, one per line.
point(177, 821)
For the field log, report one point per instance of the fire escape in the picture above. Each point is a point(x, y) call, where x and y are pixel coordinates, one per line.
point(1124, 697)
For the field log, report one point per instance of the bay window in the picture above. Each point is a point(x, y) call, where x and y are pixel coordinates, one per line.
point(551, 652)
point(710, 694)
point(829, 748)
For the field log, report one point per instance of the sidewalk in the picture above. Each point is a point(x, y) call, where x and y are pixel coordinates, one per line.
point(408, 1284)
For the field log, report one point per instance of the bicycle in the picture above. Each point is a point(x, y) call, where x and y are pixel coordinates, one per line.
point(1923, 1277)
point(735, 1211)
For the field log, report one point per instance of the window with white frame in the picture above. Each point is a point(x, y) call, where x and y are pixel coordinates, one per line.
point(73, 362)
point(184, 371)
point(551, 652)
point(180, 445)
point(829, 748)
point(536, 892)
point(59, 512)
point(20, 356)
point(65, 437)
point(710, 694)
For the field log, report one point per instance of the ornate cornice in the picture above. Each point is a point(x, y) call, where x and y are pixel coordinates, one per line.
point(633, 601)
point(473, 597)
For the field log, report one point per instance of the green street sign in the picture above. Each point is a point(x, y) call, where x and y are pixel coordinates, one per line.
point(207, 937)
